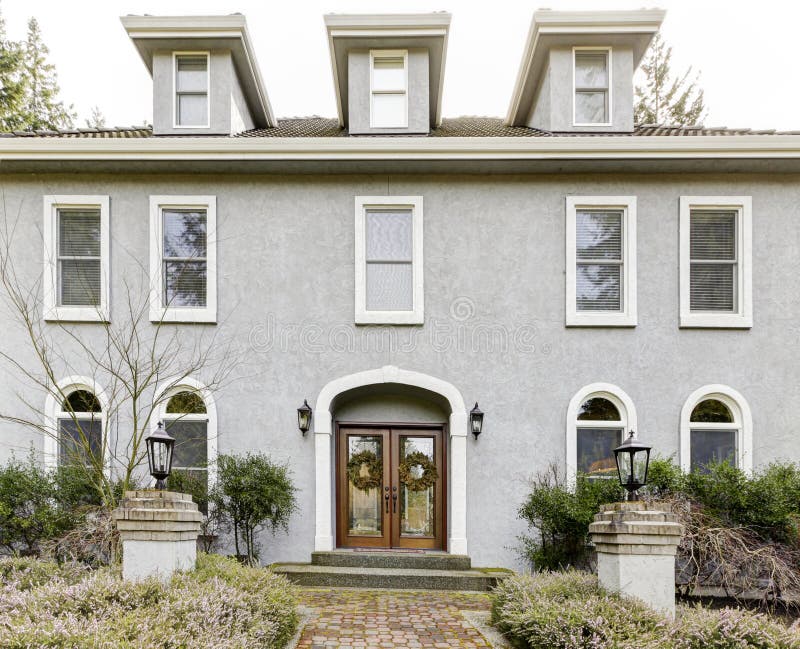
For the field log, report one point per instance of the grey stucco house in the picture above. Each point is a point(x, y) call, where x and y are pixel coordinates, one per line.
point(576, 274)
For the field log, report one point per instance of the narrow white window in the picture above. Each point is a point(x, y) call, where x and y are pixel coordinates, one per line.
point(183, 258)
point(389, 286)
point(191, 89)
point(601, 261)
point(716, 426)
point(388, 89)
point(592, 79)
point(76, 258)
point(716, 275)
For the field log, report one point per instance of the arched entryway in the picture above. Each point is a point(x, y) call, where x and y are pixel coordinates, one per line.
point(407, 382)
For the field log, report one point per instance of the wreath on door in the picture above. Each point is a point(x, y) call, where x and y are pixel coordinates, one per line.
point(408, 476)
point(374, 470)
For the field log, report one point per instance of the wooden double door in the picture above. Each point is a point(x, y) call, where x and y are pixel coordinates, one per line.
point(390, 486)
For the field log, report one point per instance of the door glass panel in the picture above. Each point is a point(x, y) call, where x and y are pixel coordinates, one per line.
point(417, 488)
point(364, 466)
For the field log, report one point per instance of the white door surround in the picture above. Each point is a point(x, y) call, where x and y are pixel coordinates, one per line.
point(323, 450)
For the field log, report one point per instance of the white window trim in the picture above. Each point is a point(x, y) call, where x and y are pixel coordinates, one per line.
point(52, 410)
point(52, 310)
point(159, 313)
point(585, 48)
point(175, 56)
point(742, 417)
point(628, 316)
point(169, 388)
point(417, 313)
point(615, 395)
point(743, 317)
point(373, 54)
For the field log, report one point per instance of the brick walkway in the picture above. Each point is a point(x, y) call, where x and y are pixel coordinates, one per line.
point(356, 619)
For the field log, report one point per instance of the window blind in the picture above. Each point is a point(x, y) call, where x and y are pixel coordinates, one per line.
point(185, 266)
point(713, 273)
point(79, 268)
point(388, 92)
point(389, 260)
point(191, 87)
point(599, 259)
point(591, 87)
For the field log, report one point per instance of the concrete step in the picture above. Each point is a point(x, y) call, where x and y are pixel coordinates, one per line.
point(306, 574)
point(388, 559)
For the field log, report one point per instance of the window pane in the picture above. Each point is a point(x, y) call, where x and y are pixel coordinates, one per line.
point(192, 74)
point(186, 403)
point(389, 236)
point(712, 411)
point(79, 233)
point(78, 438)
point(185, 283)
point(389, 287)
point(389, 111)
point(191, 443)
point(712, 287)
point(598, 235)
point(598, 409)
point(388, 73)
point(591, 70)
point(79, 282)
point(596, 450)
point(192, 110)
point(81, 401)
point(709, 446)
point(590, 108)
point(185, 233)
point(713, 236)
point(598, 287)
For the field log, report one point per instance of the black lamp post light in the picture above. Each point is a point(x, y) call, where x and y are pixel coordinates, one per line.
point(476, 421)
point(633, 460)
point(304, 413)
point(160, 445)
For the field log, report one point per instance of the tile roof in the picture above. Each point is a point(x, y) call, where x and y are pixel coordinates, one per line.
point(299, 127)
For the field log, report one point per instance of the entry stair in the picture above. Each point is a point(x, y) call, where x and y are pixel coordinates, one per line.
point(412, 570)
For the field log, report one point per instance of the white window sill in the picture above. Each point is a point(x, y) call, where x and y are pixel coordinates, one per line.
point(184, 315)
point(585, 319)
point(77, 314)
point(716, 321)
point(389, 317)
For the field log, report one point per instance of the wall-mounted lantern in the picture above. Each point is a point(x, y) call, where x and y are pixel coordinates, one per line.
point(476, 421)
point(633, 460)
point(304, 417)
point(160, 445)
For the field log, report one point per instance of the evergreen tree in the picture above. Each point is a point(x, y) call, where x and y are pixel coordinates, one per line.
point(43, 109)
point(11, 86)
point(96, 119)
point(666, 98)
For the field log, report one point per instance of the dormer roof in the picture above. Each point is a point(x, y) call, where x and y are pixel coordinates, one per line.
point(550, 29)
point(388, 31)
point(152, 33)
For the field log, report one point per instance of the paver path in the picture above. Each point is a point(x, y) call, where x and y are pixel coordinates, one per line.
point(356, 619)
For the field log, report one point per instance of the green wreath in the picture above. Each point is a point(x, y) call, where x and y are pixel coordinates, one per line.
point(374, 477)
point(429, 473)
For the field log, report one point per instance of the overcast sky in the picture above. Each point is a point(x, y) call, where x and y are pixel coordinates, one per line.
point(745, 51)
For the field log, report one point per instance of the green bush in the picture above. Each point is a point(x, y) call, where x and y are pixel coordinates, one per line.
point(221, 604)
point(570, 611)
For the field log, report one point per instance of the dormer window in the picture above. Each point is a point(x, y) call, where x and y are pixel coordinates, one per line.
point(389, 88)
point(191, 90)
point(592, 75)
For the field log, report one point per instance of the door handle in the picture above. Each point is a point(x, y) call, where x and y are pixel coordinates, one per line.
point(394, 500)
point(386, 498)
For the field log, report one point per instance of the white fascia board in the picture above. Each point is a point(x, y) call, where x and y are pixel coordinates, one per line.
point(775, 147)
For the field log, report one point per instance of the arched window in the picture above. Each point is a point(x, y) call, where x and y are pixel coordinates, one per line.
point(715, 427)
point(74, 428)
point(598, 417)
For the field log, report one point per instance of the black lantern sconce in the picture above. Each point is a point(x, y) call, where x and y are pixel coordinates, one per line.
point(304, 417)
point(159, 455)
point(633, 461)
point(476, 421)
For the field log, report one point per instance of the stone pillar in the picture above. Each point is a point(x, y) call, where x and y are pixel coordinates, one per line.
point(636, 544)
point(159, 531)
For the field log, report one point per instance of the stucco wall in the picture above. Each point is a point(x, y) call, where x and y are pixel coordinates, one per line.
point(359, 94)
point(494, 320)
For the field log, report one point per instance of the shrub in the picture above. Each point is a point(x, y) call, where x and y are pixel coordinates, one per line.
point(214, 523)
point(728, 628)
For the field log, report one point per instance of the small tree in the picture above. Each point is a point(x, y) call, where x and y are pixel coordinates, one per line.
point(11, 86)
point(664, 98)
point(253, 493)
